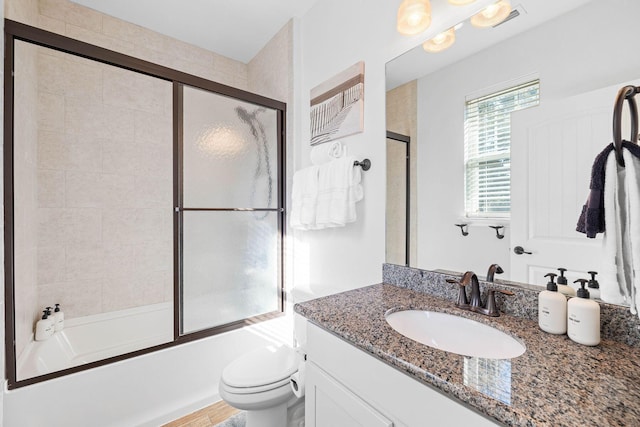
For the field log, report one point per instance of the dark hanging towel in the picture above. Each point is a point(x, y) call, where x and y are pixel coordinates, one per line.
point(591, 221)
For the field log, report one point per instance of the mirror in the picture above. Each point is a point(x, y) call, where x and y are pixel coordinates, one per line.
point(577, 51)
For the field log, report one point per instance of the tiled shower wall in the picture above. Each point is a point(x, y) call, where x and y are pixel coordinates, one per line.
point(105, 187)
point(25, 200)
point(78, 287)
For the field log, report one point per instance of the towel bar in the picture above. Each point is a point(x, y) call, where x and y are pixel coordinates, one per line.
point(365, 164)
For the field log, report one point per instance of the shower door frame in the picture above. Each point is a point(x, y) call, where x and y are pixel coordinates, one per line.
point(36, 36)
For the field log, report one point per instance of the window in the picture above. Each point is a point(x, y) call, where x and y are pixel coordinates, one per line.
point(487, 140)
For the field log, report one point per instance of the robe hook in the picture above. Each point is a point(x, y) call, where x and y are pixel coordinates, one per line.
point(498, 228)
point(463, 229)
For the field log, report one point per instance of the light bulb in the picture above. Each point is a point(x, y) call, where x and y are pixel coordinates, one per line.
point(414, 16)
point(490, 11)
point(492, 15)
point(440, 42)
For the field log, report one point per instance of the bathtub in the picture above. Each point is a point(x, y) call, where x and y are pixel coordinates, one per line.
point(144, 391)
point(97, 337)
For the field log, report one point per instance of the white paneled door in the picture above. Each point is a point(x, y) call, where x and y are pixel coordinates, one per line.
point(552, 152)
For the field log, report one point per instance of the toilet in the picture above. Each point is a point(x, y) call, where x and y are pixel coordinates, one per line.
point(259, 382)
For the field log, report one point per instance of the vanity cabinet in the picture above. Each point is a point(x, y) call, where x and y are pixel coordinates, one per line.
point(347, 387)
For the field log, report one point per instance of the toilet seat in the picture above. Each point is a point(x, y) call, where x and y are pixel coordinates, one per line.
point(261, 370)
point(256, 389)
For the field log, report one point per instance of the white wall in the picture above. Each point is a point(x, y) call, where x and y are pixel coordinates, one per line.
point(334, 35)
point(579, 52)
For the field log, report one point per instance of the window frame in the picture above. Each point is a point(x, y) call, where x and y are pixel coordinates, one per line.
point(472, 143)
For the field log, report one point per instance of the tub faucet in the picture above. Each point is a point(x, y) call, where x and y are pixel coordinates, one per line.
point(493, 269)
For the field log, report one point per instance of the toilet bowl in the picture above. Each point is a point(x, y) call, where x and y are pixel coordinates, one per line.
point(258, 382)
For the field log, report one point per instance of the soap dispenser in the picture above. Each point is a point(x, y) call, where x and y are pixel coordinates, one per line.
point(58, 318)
point(552, 308)
point(562, 284)
point(583, 322)
point(44, 327)
point(594, 286)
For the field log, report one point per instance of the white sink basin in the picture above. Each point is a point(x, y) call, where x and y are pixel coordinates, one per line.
point(455, 334)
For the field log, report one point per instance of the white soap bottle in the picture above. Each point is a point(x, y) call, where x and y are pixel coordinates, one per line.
point(552, 308)
point(562, 284)
point(583, 322)
point(44, 327)
point(58, 318)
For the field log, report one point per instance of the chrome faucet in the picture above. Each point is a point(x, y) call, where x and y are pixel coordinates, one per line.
point(475, 304)
point(493, 269)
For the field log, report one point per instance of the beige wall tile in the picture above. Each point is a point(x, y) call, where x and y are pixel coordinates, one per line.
point(50, 24)
point(150, 225)
point(77, 298)
point(84, 227)
point(83, 17)
point(154, 129)
point(83, 190)
point(154, 256)
point(268, 71)
point(118, 123)
point(51, 112)
point(98, 39)
point(50, 189)
point(84, 263)
point(118, 157)
point(84, 117)
point(25, 11)
point(82, 79)
point(52, 224)
point(51, 75)
point(117, 191)
point(118, 225)
point(56, 9)
point(66, 152)
point(151, 191)
point(51, 265)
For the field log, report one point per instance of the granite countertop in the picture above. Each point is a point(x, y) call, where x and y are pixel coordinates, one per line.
point(556, 382)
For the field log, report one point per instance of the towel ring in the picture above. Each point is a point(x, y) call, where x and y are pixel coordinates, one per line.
point(628, 93)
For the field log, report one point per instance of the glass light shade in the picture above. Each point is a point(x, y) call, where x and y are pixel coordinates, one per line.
point(414, 16)
point(461, 2)
point(492, 14)
point(442, 41)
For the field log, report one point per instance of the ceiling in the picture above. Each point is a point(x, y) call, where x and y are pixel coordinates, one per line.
point(417, 63)
point(237, 29)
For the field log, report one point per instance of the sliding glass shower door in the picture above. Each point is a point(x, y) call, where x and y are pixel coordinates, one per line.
point(229, 211)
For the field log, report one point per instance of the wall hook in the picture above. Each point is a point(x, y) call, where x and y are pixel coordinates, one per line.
point(498, 228)
point(463, 229)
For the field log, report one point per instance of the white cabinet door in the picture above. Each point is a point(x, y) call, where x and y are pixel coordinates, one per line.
point(329, 404)
point(552, 152)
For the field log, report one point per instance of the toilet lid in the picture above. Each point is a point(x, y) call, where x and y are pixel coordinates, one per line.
point(263, 366)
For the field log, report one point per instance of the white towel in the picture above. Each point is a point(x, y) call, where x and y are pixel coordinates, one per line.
point(621, 267)
point(304, 195)
point(633, 221)
point(339, 189)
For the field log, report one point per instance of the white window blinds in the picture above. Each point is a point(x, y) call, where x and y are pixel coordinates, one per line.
point(487, 140)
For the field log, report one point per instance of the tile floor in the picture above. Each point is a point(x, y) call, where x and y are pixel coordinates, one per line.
point(206, 417)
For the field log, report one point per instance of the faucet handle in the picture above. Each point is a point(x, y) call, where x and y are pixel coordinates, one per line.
point(492, 309)
point(462, 294)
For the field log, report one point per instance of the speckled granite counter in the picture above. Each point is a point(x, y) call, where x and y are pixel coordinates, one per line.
point(556, 382)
